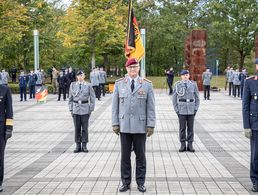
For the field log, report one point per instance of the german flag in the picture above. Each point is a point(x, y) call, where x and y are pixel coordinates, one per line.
point(133, 45)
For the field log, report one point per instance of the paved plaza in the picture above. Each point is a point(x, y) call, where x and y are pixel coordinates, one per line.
point(40, 159)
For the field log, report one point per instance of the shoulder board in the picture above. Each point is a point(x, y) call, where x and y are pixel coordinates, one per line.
point(250, 77)
point(177, 82)
point(120, 79)
point(147, 80)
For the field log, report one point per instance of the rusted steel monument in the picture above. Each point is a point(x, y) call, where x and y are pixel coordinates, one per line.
point(195, 55)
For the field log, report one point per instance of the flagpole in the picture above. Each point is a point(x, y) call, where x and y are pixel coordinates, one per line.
point(143, 34)
point(129, 18)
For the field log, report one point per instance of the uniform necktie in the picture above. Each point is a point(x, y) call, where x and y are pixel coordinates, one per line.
point(132, 85)
point(80, 86)
point(185, 85)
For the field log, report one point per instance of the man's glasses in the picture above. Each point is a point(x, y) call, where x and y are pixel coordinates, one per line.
point(133, 67)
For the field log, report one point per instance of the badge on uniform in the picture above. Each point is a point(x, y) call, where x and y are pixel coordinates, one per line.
point(141, 92)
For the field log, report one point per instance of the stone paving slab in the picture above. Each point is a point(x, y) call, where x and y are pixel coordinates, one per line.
point(40, 158)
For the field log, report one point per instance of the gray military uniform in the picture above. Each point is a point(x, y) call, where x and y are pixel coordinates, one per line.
point(133, 111)
point(186, 99)
point(77, 96)
point(94, 78)
point(5, 78)
point(206, 78)
point(186, 103)
point(102, 77)
point(230, 75)
point(236, 80)
point(81, 104)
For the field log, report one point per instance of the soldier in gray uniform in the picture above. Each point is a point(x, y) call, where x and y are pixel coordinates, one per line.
point(236, 83)
point(81, 104)
point(186, 103)
point(102, 80)
point(133, 116)
point(5, 77)
point(206, 78)
point(94, 79)
point(230, 73)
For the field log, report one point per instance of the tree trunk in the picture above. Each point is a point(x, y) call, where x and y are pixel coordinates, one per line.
point(105, 63)
point(242, 60)
point(93, 60)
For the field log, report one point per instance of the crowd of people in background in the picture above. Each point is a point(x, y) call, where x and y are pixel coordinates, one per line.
point(60, 79)
point(235, 81)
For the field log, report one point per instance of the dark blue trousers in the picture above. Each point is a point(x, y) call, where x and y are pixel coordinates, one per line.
point(254, 158)
point(2, 149)
point(23, 93)
point(32, 91)
point(138, 141)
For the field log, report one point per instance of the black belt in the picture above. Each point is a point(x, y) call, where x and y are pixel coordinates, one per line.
point(81, 102)
point(186, 100)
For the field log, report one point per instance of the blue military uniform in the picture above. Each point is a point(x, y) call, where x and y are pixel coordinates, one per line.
point(23, 79)
point(6, 125)
point(32, 83)
point(250, 120)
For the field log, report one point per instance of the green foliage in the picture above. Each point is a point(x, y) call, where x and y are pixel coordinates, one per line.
point(91, 32)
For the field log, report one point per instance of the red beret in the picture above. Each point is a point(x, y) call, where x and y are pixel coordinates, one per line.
point(131, 61)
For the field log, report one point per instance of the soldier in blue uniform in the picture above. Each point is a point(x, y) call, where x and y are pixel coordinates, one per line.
point(6, 125)
point(32, 83)
point(23, 79)
point(250, 120)
point(242, 76)
point(186, 102)
point(133, 116)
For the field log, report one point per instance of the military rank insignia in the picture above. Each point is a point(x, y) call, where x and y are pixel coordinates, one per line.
point(141, 92)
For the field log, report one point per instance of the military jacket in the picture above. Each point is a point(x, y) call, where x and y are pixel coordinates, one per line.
point(206, 78)
point(133, 111)
point(81, 98)
point(102, 77)
point(5, 77)
point(185, 97)
point(40, 78)
point(250, 103)
point(94, 78)
point(32, 79)
point(23, 79)
point(236, 80)
point(230, 75)
point(6, 108)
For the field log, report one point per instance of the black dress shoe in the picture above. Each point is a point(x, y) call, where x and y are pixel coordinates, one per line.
point(84, 148)
point(190, 147)
point(141, 188)
point(1, 188)
point(78, 148)
point(124, 188)
point(255, 188)
point(183, 147)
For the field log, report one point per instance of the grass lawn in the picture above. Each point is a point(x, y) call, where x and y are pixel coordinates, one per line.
point(160, 82)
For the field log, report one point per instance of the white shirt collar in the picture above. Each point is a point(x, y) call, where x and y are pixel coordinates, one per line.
point(135, 79)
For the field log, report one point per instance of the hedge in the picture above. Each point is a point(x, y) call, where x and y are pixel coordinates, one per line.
point(15, 87)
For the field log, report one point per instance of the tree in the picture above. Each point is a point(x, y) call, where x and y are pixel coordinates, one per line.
point(95, 28)
point(234, 25)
